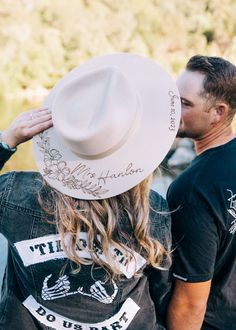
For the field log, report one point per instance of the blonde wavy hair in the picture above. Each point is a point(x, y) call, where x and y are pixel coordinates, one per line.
point(101, 220)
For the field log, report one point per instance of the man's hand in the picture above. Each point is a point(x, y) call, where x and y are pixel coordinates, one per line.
point(187, 307)
point(26, 125)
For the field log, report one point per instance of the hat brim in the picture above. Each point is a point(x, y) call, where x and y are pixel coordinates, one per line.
point(114, 174)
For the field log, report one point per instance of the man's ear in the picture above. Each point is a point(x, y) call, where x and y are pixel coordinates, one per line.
point(220, 113)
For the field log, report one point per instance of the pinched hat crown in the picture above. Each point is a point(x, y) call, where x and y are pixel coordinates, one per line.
point(96, 113)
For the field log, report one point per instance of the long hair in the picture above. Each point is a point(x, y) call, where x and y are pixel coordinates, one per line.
point(121, 222)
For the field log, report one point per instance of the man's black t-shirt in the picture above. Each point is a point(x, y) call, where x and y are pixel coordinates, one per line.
point(204, 230)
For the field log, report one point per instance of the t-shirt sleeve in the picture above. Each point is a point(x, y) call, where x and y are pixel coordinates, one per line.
point(195, 240)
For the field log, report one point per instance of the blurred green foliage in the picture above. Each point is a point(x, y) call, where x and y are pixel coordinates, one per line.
point(41, 40)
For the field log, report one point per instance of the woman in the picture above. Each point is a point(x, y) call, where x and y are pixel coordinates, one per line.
point(86, 235)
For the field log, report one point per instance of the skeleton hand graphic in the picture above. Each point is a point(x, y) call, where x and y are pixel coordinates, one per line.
point(62, 287)
point(59, 290)
point(99, 292)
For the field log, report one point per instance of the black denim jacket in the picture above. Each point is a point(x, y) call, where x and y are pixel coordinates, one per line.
point(37, 294)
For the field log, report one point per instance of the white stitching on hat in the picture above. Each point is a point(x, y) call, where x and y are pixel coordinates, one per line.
point(57, 169)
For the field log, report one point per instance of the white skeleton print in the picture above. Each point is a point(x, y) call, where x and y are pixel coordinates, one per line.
point(59, 290)
point(62, 287)
point(232, 211)
point(99, 292)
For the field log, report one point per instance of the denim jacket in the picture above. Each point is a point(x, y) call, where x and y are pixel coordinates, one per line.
point(37, 294)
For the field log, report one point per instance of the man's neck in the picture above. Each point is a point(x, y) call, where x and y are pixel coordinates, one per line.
point(214, 139)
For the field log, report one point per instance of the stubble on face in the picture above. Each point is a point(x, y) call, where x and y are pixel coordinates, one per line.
point(182, 134)
point(194, 118)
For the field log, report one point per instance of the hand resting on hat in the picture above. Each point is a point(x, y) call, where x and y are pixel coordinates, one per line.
point(26, 125)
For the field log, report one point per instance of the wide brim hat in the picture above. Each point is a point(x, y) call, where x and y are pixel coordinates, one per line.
point(115, 118)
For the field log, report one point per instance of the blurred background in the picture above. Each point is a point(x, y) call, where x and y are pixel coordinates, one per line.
point(41, 40)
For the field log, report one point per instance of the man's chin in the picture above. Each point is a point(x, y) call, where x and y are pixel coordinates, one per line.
point(181, 134)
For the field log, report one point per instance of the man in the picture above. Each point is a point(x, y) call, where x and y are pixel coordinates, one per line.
point(203, 200)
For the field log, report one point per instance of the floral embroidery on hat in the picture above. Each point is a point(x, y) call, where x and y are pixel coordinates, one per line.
point(56, 169)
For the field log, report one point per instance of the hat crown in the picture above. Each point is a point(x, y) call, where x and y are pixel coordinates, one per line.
point(96, 113)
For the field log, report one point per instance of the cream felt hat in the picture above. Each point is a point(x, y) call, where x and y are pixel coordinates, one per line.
point(115, 118)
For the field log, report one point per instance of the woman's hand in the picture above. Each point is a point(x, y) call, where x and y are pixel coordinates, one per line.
point(26, 125)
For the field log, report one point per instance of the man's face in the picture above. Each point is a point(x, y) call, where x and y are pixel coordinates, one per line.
point(195, 114)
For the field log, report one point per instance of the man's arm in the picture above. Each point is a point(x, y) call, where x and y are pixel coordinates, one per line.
point(188, 305)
